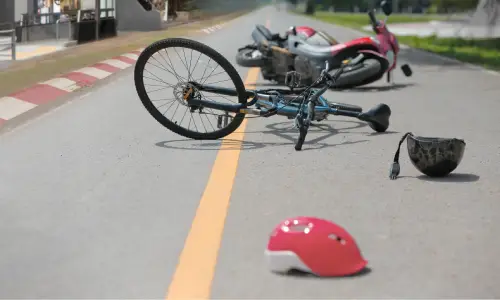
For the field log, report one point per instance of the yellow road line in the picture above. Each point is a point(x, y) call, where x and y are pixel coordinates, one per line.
point(195, 269)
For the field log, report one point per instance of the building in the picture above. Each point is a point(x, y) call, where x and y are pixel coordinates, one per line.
point(40, 17)
point(12, 10)
point(7, 11)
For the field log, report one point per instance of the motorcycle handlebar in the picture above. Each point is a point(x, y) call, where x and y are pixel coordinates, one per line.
point(373, 20)
point(330, 80)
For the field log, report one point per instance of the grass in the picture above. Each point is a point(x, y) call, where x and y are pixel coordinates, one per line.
point(358, 21)
point(483, 52)
point(22, 74)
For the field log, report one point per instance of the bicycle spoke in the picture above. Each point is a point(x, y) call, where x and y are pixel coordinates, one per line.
point(168, 73)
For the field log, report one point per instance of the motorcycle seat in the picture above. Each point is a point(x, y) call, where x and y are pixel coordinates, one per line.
point(314, 52)
point(265, 32)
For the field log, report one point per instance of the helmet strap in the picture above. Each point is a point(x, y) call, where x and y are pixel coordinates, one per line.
point(395, 168)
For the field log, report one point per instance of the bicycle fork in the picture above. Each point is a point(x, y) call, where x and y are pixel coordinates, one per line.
point(302, 123)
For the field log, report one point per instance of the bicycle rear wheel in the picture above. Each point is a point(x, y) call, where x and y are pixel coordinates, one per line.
point(162, 56)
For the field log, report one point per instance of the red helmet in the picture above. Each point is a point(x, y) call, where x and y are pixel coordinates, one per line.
point(313, 245)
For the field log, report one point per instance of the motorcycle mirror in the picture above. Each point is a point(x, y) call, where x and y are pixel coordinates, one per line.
point(386, 7)
point(291, 30)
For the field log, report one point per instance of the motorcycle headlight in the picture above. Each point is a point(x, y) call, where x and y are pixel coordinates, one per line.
point(375, 40)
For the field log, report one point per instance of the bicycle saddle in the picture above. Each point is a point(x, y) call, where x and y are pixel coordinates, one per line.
point(377, 117)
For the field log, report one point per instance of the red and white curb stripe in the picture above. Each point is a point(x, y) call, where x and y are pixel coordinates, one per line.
point(45, 92)
point(48, 91)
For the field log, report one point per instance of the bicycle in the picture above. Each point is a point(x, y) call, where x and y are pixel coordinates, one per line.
point(304, 105)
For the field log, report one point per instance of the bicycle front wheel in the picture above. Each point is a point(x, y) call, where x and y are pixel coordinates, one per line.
point(163, 87)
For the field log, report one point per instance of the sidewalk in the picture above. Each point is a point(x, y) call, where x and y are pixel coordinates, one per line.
point(37, 84)
point(29, 50)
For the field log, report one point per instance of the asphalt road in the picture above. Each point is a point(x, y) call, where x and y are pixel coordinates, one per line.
point(97, 198)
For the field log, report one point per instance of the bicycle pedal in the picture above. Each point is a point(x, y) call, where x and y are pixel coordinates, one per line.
point(297, 124)
point(292, 79)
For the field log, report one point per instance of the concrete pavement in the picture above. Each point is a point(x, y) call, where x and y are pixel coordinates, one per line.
point(29, 50)
point(97, 198)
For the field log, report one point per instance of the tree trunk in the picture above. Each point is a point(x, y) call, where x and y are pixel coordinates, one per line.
point(310, 7)
point(486, 13)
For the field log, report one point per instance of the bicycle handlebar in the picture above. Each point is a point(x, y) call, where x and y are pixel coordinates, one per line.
point(325, 77)
point(330, 80)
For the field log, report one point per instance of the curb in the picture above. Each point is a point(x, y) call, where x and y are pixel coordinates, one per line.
point(44, 93)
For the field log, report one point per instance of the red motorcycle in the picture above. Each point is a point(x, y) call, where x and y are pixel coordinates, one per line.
point(385, 41)
point(304, 51)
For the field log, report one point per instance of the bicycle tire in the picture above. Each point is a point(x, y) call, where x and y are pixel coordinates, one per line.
point(359, 76)
point(209, 52)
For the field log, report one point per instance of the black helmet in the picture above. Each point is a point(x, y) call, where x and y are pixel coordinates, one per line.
point(435, 157)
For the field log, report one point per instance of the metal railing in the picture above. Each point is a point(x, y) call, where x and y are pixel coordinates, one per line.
point(57, 28)
point(11, 44)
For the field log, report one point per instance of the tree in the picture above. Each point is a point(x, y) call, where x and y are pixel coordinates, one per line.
point(460, 5)
point(310, 7)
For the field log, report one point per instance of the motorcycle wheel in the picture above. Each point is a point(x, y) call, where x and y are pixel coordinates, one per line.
point(244, 58)
point(360, 75)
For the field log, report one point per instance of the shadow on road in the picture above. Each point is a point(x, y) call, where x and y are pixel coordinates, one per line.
point(305, 275)
point(423, 58)
point(453, 178)
point(286, 136)
point(379, 88)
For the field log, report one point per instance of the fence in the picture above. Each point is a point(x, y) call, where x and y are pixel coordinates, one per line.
point(8, 42)
point(39, 27)
point(58, 22)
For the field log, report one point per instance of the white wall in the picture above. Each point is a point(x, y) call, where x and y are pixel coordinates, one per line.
point(87, 4)
point(20, 7)
point(132, 17)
